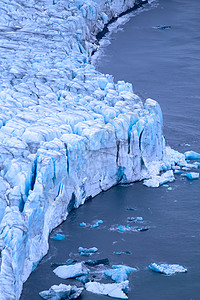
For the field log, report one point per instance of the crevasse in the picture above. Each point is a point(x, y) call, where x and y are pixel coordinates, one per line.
point(67, 132)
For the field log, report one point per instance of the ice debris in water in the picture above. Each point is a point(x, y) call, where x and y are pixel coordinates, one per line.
point(119, 273)
point(192, 175)
point(61, 291)
point(83, 224)
point(156, 181)
point(197, 164)
point(167, 269)
point(97, 224)
point(115, 290)
point(68, 262)
point(71, 271)
point(122, 252)
point(92, 263)
point(87, 251)
point(192, 155)
point(59, 237)
point(162, 27)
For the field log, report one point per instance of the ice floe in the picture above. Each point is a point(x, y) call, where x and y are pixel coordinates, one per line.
point(192, 175)
point(167, 269)
point(71, 271)
point(58, 237)
point(115, 290)
point(192, 155)
point(61, 291)
point(87, 251)
point(119, 273)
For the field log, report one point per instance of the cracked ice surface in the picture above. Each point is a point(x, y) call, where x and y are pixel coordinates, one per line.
point(67, 132)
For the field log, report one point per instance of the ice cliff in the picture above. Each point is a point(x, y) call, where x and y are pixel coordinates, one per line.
point(67, 132)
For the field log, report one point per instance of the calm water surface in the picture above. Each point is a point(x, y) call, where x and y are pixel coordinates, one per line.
point(164, 65)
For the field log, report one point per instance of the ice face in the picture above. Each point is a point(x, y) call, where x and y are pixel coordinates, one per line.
point(67, 132)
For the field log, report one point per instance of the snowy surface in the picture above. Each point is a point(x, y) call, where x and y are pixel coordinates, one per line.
point(167, 269)
point(67, 132)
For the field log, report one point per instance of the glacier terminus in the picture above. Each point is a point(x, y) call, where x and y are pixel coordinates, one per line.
point(67, 132)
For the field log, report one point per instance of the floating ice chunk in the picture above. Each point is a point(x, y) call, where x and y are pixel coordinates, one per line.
point(61, 291)
point(131, 219)
point(103, 261)
point(192, 155)
point(121, 228)
point(139, 219)
point(97, 224)
point(114, 290)
point(143, 228)
point(59, 237)
point(83, 224)
point(162, 27)
point(87, 251)
point(167, 269)
point(122, 252)
point(192, 175)
point(197, 164)
point(178, 172)
point(71, 271)
point(119, 273)
point(156, 181)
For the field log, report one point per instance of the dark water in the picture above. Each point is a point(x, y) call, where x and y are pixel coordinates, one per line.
point(164, 65)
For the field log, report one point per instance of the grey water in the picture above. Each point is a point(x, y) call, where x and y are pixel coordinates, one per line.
point(163, 64)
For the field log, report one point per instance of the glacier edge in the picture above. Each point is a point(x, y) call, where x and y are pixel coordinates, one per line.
point(67, 132)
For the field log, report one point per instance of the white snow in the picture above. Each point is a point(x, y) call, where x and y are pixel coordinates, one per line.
point(114, 290)
point(67, 132)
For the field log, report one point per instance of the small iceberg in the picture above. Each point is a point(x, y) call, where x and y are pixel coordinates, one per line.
point(58, 237)
point(97, 224)
point(162, 27)
point(115, 290)
point(119, 273)
point(143, 228)
point(122, 252)
point(87, 251)
point(83, 224)
point(192, 175)
point(71, 271)
point(167, 269)
point(62, 291)
point(92, 263)
point(156, 181)
point(192, 155)
point(197, 164)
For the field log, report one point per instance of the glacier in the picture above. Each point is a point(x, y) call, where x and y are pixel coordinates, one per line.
point(67, 132)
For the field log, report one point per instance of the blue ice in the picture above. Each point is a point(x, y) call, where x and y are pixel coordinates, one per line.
point(192, 155)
